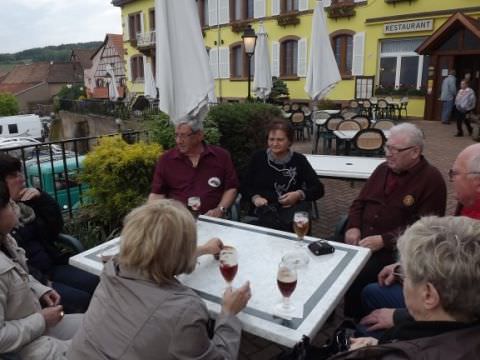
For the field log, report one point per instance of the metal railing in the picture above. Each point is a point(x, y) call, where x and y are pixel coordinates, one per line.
point(146, 39)
point(53, 167)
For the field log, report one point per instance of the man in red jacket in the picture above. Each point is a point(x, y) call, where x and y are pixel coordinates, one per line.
point(398, 193)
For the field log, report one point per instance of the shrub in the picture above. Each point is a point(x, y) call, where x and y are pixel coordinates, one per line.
point(163, 132)
point(8, 104)
point(118, 176)
point(242, 129)
point(279, 91)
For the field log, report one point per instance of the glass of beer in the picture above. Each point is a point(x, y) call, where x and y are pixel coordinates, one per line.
point(301, 225)
point(228, 263)
point(286, 282)
point(194, 204)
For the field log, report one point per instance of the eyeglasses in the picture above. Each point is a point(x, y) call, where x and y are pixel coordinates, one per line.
point(394, 150)
point(452, 173)
point(183, 136)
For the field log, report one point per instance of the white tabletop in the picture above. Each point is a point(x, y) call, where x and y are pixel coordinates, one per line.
point(320, 286)
point(344, 167)
point(350, 134)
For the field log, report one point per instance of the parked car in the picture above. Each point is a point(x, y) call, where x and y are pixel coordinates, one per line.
point(21, 125)
point(61, 183)
point(31, 147)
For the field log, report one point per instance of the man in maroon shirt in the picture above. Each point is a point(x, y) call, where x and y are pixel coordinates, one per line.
point(399, 192)
point(194, 168)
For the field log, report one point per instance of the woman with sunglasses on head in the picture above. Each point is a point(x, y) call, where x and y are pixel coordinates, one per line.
point(26, 329)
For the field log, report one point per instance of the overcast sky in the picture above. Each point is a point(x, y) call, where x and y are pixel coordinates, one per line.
point(26, 24)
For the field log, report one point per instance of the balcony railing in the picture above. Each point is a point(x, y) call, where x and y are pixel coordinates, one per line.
point(146, 39)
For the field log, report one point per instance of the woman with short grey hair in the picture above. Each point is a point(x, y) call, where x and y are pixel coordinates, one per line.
point(440, 258)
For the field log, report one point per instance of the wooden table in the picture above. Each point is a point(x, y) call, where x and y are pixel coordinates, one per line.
point(320, 286)
point(344, 167)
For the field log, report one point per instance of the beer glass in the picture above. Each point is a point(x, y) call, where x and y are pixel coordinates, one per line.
point(194, 204)
point(228, 264)
point(286, 282)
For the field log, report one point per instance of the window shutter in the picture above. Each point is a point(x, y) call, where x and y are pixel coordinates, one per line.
point(212, 12)
point(224, 55)
point(224, 12)
point(358, 53)
point(125, 28)
point(142, 28)
point(275, 7)
point(259, 9)
point(302, 5)
point(327, 3)
point(214, 62)
point(275, 58)
point(302, 57)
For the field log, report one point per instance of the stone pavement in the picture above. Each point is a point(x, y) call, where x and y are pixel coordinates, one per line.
point(441, 149)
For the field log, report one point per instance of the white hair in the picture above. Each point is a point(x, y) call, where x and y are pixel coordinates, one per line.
point(445, 251)
point(414, 134)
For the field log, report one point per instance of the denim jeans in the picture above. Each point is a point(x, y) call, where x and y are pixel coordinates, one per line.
point(447, 107)
point(75, 287)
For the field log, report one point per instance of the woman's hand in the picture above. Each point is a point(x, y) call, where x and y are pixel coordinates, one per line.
point(28, 194)
point(235, 300)
point(357, 343)
point(259, 201)
point(52, 315)
point(212, 246)
point(290, 198)
point(50, 298)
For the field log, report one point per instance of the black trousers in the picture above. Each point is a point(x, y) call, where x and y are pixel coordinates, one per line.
point(462, 118)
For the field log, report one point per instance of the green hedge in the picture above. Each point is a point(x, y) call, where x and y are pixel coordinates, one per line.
point(242, 129)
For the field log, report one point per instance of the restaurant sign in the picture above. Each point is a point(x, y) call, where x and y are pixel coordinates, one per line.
point(408, 26)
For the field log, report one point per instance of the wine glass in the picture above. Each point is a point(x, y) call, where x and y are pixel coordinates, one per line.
point(228, 263)
point(301, 225)
point(194, 204)
point(287, 282)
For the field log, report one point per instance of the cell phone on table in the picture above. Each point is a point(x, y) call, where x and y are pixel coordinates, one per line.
point(321, 247)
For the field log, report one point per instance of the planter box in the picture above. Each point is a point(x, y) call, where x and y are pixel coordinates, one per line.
point(240, 26)
point(340, 11)
point(397, 1)
point(288, 19)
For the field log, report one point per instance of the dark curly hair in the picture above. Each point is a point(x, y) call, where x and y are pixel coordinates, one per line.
point(4, 195)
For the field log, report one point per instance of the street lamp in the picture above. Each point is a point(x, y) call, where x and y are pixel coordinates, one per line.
point(249, 39)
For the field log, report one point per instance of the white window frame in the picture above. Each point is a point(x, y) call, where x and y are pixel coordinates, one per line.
point(398, 56)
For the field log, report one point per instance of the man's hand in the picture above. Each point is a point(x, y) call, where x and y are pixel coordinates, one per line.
point(378, 319)
point(374, 242)
point(212, 246)
point(357, 343)
point(386, 277)
point(215, 213)
point(235, 300)
point(290, 198)
point(52, 315)
point(28, 194)
point(50, 298)
point(259, 201)
point(352, 236)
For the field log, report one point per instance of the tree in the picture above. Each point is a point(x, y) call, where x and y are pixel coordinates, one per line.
point(8, 104)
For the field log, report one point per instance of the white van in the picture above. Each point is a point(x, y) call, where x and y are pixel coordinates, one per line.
point(21, 125)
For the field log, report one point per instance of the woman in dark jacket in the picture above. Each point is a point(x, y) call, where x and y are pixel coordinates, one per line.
point(280, 179)
point(39, 223)
point(441, 262)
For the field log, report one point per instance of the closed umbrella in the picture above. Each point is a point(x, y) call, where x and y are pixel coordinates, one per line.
point(112, 85)
point(322, 73)
point(150, 88)
point(183, 73)
point(262, 77)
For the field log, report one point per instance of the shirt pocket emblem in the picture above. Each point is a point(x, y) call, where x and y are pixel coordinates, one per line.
point(214, 182)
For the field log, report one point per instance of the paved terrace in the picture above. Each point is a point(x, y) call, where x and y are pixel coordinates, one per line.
point(440, 150)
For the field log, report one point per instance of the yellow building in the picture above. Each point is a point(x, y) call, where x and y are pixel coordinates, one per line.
point(400, 46)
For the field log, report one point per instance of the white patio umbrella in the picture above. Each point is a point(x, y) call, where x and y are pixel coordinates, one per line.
point(150, 88)
point(262, 77)
point(183, 73)
point(112, 85)
point(322, 73)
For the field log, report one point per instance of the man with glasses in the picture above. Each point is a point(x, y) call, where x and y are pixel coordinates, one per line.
point(196, 169)
point(384, 300)
point(400, 191)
